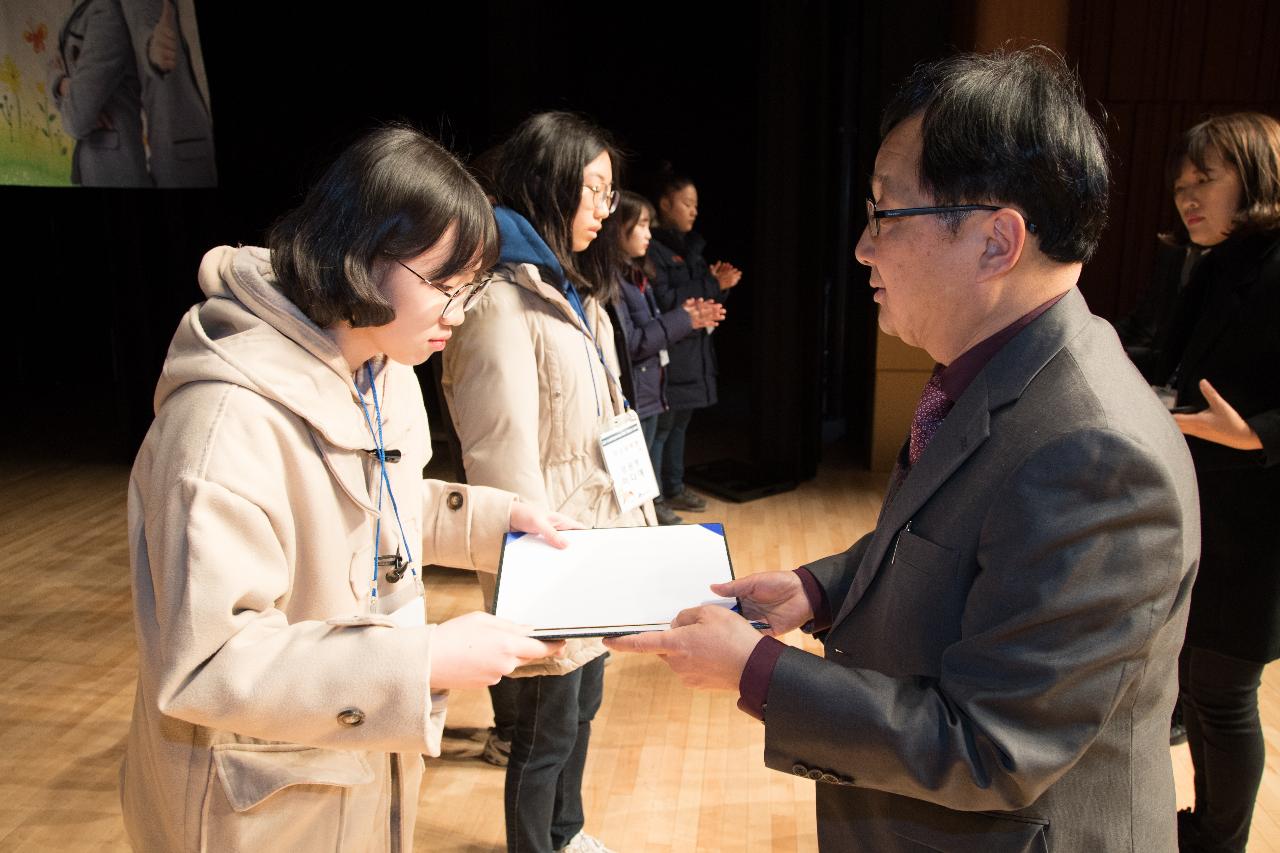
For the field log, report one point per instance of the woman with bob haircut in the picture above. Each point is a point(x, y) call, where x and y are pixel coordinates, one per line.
point(1223, 336)
point(278, 522)
point(531, 382)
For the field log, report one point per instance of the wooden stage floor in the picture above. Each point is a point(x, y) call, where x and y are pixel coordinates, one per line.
point(669, 769)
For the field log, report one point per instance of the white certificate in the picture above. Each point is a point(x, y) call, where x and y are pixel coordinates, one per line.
point(611, 581)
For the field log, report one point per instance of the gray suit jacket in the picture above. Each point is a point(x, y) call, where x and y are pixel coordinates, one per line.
point(102, 110)
point(1002, 662)
point(179, 128)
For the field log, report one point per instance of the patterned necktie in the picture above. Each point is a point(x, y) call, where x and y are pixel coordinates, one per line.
point(930, 412)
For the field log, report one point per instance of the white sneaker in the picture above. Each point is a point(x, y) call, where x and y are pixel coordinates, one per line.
point(583, 843)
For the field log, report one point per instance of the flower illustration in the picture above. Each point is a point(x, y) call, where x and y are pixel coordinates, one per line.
point(34, 35)
point(10, 75)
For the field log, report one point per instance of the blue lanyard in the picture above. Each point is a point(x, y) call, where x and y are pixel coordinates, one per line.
point(383, 480)
point(571, 293)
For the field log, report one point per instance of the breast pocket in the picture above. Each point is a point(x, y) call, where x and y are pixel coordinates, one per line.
point(284, 797)
point(919, 602)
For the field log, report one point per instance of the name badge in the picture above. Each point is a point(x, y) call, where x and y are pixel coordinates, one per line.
point(663, 358)
point(627, 459)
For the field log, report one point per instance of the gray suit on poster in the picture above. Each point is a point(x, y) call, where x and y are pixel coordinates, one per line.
point(179, 129)
point(1001, 665)
point(102, 108)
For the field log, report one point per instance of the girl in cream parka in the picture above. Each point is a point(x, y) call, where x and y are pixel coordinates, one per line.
point(288, 682)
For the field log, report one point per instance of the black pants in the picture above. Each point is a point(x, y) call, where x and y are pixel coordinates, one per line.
point(543, 794)
point(1220, 706)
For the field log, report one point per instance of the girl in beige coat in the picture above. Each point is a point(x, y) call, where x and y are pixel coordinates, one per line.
point(531, 380)
point(288, 682)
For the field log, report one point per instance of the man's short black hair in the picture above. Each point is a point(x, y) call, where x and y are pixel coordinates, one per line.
point(1011, 128)
point(390, 196)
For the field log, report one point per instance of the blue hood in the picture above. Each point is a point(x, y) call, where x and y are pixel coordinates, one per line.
point(522, 245)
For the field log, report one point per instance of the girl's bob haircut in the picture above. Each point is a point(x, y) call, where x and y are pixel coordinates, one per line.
point(392, 195)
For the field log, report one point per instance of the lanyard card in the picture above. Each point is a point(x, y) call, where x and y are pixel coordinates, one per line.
point(627, 459)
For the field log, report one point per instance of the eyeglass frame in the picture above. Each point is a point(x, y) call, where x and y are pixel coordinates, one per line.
point(874, 214)
point(472, 295)
point(613, 197)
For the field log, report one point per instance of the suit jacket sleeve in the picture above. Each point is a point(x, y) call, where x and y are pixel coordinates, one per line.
point(104, 60)
point(835, 573)
point(1057, 622)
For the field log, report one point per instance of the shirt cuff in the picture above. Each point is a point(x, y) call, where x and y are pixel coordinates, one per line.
point(817, 602)
point(753, 686)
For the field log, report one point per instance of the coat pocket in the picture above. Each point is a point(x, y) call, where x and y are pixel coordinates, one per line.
point(977, 832)
point(284, 797)
point(592, 501)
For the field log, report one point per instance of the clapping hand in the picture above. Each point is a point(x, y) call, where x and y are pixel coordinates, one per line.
point(1220, 423)
point(705, 313)
point(726, 273)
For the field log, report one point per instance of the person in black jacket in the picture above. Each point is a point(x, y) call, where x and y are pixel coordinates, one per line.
point(1222, 347)
point(680, 273)
point(646, 334)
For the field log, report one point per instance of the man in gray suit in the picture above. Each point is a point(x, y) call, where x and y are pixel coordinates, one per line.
point(1000, 652)
point(179, 128)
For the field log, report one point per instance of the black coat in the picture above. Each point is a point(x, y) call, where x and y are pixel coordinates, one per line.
point(642, 332)
point(1227, 330)
point(681, 272)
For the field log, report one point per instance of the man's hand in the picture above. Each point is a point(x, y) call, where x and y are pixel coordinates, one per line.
point(526, 518)
point(726, 274)
point(1220, 423)
point(707, 646)
point(774, 597)
point(476, 649)
point(162, 47)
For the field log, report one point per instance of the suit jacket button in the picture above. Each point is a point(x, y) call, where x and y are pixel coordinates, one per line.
point(454, 501)
point(351, 716)
point(829, 778)
point(815, 774)
point(800, 770)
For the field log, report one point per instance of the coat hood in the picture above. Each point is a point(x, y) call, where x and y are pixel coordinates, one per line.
point(247, 333)
point(523, 245)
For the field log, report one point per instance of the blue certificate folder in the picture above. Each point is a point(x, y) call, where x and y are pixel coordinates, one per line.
point(611, 581)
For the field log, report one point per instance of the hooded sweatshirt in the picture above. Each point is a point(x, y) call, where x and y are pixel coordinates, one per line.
point(273, 693)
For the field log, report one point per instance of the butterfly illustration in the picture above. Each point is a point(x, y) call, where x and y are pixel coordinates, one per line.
point(35, 36)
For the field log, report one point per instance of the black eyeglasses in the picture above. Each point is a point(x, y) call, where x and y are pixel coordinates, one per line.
point(603, 198)
point(461, 299)
point(874, 216)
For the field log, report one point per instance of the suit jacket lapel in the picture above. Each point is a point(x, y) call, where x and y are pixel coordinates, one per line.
point(965, 429)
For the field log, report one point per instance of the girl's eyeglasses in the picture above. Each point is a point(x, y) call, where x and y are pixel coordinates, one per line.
point(461, 299)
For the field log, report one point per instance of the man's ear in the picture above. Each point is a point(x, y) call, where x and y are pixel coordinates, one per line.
point(1005, 237)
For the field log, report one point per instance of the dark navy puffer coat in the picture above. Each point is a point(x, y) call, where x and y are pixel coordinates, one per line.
point(682, 272)
point(644, 332)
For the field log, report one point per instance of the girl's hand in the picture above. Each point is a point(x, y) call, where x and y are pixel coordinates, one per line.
point(705, 313)
point(527, 518)
point(1219, 423)
point(726, 273)
point(476, 649)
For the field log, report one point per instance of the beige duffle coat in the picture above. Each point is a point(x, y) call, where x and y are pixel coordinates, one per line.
point(529, 393)
point(275, 709)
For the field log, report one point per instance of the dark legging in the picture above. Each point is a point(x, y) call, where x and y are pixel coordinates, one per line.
point(1220, 706)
